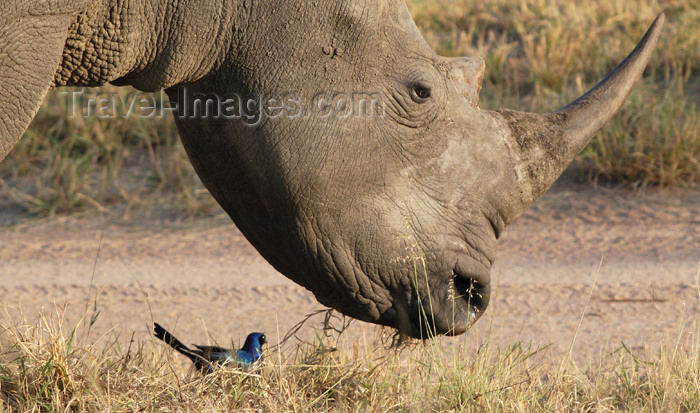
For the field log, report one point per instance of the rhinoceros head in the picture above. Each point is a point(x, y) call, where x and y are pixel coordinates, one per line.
point(370, 176)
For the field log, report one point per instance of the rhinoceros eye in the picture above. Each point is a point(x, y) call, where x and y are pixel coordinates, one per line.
point(420, 93)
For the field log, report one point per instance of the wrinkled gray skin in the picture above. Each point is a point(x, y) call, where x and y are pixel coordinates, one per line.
point(391, 220)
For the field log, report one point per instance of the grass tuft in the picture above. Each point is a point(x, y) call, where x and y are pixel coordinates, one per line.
point(46, 365)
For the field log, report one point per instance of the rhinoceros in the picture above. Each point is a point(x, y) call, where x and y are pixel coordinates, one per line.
point(388, 211)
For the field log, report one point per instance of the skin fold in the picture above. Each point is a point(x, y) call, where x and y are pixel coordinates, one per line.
point(388, 213)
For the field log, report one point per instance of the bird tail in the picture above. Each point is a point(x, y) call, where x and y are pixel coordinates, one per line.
point(200, 362)
point(170, 339)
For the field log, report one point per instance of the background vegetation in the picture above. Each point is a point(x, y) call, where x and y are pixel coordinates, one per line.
point(539, 55)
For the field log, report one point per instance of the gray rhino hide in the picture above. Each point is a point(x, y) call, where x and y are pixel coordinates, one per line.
point(390, 214)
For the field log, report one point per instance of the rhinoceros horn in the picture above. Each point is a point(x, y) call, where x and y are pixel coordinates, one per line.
point(542, 146)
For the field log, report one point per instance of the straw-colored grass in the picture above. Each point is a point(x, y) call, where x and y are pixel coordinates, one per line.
point(46, 365)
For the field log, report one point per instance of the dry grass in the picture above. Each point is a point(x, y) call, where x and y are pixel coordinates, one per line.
point(46, 365)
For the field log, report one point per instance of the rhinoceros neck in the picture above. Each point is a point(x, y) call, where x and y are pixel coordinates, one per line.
point(150, 44)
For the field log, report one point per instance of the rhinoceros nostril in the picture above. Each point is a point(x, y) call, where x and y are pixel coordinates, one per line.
point(471, 291)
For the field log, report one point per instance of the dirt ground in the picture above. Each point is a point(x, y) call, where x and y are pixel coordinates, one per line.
point(636, 255)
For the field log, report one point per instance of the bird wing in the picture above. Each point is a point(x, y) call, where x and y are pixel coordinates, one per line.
point(245, 358)
point(216, 354)
point(213, 349)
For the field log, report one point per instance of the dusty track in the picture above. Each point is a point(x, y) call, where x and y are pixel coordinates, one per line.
point(203, 277)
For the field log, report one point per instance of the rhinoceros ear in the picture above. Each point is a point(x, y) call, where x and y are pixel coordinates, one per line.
point(32, 38)
point(542, 146)
point(467, 74)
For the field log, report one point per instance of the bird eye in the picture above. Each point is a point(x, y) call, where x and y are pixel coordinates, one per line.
point(420, 93)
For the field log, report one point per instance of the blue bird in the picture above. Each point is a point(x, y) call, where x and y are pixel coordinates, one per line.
point(206, 357)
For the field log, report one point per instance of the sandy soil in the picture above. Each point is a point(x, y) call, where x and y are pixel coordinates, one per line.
point(202, 277)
